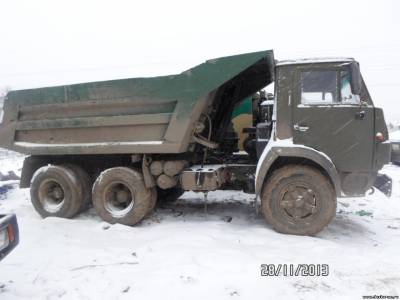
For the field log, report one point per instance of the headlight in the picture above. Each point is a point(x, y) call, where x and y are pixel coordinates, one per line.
point(4, 240)
point(396, 147)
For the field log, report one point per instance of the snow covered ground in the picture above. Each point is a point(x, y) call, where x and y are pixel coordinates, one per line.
point(395, 136)
point(181, 252)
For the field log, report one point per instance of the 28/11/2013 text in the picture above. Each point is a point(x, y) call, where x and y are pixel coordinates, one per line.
point(293, 270)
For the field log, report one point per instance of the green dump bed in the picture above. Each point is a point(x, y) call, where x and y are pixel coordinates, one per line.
point(138, 115)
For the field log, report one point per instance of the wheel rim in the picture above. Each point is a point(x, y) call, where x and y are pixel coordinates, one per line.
point(51, 195)
point(298, 202)
point(118, 199)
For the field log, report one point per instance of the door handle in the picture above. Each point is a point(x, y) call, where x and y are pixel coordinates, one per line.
point(360, 115)
point(300, 128)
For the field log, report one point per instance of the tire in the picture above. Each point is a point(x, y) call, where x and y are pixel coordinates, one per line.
point(298, 200)
point(120, 196)
point(169, 195)
point(86, 183)
point(56, 192)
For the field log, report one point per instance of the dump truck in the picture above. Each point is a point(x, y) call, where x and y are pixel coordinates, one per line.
point(122, 145)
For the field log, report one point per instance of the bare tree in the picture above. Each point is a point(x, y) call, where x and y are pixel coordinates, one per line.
point(3, 93)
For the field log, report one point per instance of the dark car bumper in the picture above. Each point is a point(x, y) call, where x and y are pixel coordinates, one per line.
point(9, 234)
point(382, 155)
point(395, 152)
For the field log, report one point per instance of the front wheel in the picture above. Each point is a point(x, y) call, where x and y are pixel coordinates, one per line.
point(298, 200)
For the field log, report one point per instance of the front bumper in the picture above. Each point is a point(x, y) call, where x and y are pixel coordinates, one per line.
point(384, 184)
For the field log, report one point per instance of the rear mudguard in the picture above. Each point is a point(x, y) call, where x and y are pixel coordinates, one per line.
point(287, 149)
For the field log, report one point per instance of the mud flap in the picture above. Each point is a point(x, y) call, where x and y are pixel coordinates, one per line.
point(384, 184)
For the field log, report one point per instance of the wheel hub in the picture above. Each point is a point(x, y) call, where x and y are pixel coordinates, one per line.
point(51, 195)
point(298, 202)
point(57, 192)
point(122, 196)
point(118, 199)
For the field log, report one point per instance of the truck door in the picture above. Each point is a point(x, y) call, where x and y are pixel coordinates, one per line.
point(330, 119)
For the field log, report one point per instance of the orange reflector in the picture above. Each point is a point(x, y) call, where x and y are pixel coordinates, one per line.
point(10, 231)
point(379, 137)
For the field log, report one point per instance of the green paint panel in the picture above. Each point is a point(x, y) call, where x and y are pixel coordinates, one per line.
point(189, 85)
point(244, 107)
point(136, 115)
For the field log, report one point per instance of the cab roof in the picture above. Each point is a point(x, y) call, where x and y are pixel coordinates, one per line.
point(314, 60)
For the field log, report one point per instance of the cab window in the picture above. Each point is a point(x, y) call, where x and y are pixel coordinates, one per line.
point(327, 87)
point(319, 87)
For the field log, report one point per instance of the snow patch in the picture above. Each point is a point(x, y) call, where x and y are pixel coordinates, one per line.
point(181, 252)
point(394, 136)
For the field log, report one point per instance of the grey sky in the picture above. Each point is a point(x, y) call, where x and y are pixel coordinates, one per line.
point(47, 42)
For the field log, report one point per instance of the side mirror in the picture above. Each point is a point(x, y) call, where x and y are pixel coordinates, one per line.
point(355, 78)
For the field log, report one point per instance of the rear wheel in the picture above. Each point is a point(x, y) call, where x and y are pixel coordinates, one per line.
point(86, 183)
point(120, 196)
point(298, 200)
point(56, 192)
